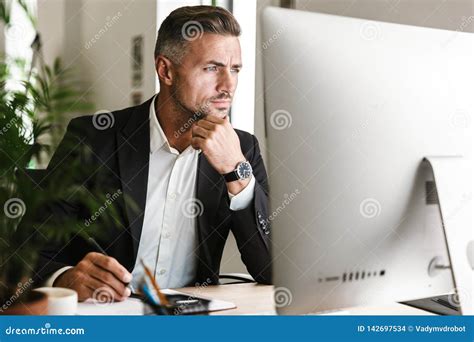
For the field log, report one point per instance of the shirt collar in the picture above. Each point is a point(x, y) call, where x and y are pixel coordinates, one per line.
point(157, 136)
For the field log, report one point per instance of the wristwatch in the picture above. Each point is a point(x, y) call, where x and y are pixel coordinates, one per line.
point(241, 172)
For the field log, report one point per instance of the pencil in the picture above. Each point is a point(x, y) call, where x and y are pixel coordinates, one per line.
point(161, 295)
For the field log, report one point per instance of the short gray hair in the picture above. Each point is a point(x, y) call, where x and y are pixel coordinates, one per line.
point(188, 23)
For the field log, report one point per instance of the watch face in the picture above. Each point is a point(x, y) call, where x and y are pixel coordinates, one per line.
point(244, 170)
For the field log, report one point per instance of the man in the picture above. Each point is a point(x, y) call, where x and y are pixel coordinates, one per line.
point(182, 176)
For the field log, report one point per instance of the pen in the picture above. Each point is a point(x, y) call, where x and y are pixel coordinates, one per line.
point(100, 249)
point(97, 246)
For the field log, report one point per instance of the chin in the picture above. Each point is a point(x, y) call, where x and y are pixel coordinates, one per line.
point(220, 113)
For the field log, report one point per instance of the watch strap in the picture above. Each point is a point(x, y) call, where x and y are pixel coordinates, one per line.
point(231, 176)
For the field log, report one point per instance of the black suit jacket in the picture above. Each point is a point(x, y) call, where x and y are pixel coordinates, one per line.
point(118, 159)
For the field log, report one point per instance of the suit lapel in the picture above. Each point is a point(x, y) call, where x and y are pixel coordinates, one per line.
point(133, 143)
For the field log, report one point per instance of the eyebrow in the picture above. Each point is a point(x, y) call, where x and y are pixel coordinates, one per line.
point(220, 64)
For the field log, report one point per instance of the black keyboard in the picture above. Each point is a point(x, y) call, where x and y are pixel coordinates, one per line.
point(441, 305)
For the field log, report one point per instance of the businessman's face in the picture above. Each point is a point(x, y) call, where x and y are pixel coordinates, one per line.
point(206, 79)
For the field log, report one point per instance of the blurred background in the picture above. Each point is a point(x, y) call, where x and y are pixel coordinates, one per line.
point(103, 50)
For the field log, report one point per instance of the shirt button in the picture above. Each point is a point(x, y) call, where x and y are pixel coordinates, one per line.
point(172, 196)
point(167, 235)
point(162, 271)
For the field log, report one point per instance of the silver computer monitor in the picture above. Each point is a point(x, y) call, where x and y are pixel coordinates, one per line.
point(352, 107)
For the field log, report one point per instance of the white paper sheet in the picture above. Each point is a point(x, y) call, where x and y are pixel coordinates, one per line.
point(134, 306)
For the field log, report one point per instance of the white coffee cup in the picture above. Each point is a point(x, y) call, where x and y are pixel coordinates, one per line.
point(61, 301)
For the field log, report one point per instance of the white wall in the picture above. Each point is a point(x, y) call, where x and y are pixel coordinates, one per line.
point(444, 14)
point(243, 108)
point(107, 29)
point(52, 27)
point(95, 39)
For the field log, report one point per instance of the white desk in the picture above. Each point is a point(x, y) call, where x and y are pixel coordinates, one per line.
point(250, 299)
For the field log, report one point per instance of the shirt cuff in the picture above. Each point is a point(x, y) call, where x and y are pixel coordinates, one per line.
point(50, 281)
point(243, 199)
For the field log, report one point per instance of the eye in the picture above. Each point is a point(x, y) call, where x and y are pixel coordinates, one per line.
point(235, 70)
point(211, 68)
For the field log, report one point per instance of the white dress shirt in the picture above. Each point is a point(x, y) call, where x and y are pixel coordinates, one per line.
point(168, 241)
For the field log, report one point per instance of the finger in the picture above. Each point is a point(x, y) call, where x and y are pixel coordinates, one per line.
point(214, 119)
point(200, 132)
point(109, 279)
point(97, 284)
point(206, 124)
point(101, 289)
point(112, 265)
point(198, 143)
point(83, 292)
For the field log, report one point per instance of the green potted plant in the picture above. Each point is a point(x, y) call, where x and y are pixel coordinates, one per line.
point(26, 118)
point(31, 116)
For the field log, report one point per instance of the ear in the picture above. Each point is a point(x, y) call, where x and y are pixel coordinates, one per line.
point(165, 70)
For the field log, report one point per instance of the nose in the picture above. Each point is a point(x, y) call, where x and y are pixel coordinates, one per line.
point(227, 82)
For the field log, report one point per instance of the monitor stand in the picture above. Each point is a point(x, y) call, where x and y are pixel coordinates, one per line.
point(452, 176)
